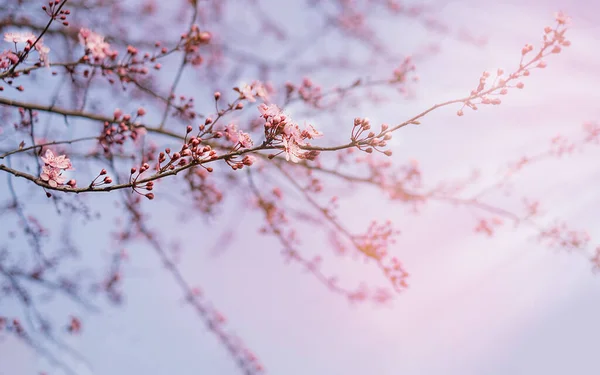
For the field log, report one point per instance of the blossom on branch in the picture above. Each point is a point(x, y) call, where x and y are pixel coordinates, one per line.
point(279, 127)
point(53, 168)
point(58, 162)
point(237, 136)
point(95, 44)
point(19, 37)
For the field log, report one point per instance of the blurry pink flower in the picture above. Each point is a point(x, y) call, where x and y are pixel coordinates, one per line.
point(43, 52)
point(19, 37)
point(231, 133)
point(262, 90)
point(562, 18)
point(8, 58)
point(94, 43)
point(270, 110)
point(245, 140)
point(237, 136)
point(310, 132)
point(246, 93)
point(291, 131)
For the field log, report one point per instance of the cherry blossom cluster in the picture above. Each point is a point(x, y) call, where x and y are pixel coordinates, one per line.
point(130, 68)
point(485, 93)
point(256, 89)
point(560, 235)
point(9, 59)
point(54, 167)
point(375, 244)
point(281, 129)
point(95, 46)
point(27, 41)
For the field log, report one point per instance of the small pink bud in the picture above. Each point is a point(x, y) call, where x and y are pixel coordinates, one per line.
point(520, 85)
point(150, 196)
point(102, 172)
point(205, 37)
point(217, 95)
point(141, 111)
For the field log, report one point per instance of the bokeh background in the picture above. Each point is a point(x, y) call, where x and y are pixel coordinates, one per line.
point(476, 305)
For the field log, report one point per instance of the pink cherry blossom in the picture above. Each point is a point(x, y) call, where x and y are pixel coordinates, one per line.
point(19, 37)
point(310, 132)
point(562, 18)
point(269, 110)
point(231, 133)
point(95, 44)
point(237, 136)
point(8, 58)
point(246, 93)
point(43, 52)
point(292, 149)
point(58, 162)
point(262, 90)
point(245, 140)
point(52, 176)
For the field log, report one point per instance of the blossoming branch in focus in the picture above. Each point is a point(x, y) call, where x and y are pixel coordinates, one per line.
point(53, 168)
